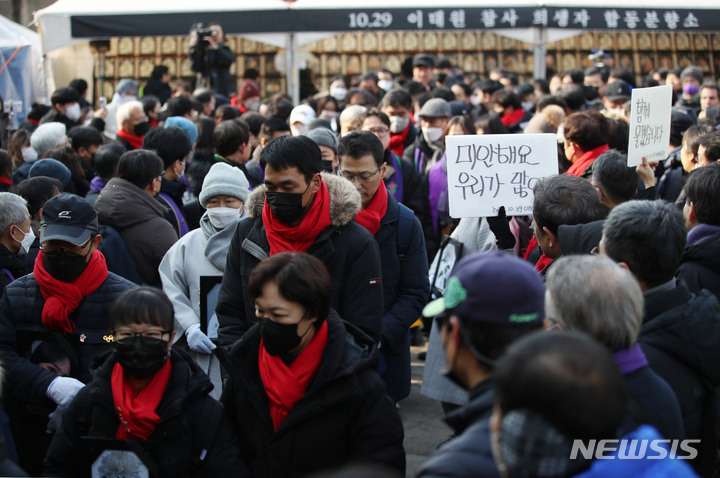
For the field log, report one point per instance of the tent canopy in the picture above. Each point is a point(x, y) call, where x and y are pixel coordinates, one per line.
point(20, 62)
point(68, 22)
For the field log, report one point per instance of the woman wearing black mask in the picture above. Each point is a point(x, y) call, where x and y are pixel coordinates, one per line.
point(149, 394)
point(303, 393)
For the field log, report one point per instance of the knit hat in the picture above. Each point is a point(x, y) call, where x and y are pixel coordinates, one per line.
point(185, 125)
point(51, 168)
point(324, 137)
point(693, 71)
point(493, 288)
point(248, 89)
point(224, 179)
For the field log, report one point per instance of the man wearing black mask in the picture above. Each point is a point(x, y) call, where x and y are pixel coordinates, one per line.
point(299, 209)
point(133, 125)
point(66, 300)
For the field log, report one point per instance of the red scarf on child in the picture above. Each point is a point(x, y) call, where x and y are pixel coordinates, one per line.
point(62, 298)
point(370, 217)
point(135, 141)
point(397, 141)
point(286, 238)
point(285, 385)
point(136, 411)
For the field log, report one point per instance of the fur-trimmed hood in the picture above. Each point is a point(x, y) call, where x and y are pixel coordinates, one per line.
point(345, 200)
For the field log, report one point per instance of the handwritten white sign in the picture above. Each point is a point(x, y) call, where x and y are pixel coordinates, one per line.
point(649, 124)
point(492, 170)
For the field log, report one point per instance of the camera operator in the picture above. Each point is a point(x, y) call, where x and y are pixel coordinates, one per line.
point(211, 58)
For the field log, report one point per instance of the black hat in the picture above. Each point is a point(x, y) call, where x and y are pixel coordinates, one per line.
point(618, 90)
point(680, 121)
point(423, 59)
point(68, 218)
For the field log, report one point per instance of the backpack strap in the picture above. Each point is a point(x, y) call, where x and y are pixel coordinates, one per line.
point(205, 434)
point(406, 219)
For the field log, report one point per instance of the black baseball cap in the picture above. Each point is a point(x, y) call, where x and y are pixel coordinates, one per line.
point(423, 59)
point(68, 218)
point(618, 90)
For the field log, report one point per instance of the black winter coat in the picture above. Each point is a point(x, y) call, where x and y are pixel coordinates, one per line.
point(405, 292)
point(680, 336)
point(345, 415)
point(468, 454)
point(158, 89)
point(13, 264)
point(176, 439)
point(348, 250)
point(175, 191)
point(700, 267)
point(215, 66)
point(26, 383)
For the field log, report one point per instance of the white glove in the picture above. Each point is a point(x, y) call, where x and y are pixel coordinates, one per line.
point(198, 341)
point(55, 420)
point(62, 390)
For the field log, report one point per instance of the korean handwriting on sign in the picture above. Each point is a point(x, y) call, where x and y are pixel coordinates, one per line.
point(646, 134)
point(642, 109)
point(522, 183)
point(489, 154)
point(479, 184)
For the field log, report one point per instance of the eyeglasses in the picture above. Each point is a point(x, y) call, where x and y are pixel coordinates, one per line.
point(364, 177)
point(379, 132)
point(148, 336)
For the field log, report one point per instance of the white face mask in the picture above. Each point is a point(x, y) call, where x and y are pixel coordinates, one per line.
point(222, 217)
point(398, 124)
point(73, 112)
point(29, 154)
point(474, 100)
point(254, 106)
point(27, 240)
point(432, 135)
point(385, 84)
point(299, 130)
point(527, 105)
point(338, 93)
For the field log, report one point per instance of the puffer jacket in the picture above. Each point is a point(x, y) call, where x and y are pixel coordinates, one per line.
point(344, 416)
point(141, 222)
point(348, 250)
point(174, 444)
point(26, 384)
point(700, 267)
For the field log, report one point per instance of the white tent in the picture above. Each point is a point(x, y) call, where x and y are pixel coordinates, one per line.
point(289, 23)
point(20, 64)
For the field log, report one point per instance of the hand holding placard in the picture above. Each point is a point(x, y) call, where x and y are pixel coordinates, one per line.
point(649, 124)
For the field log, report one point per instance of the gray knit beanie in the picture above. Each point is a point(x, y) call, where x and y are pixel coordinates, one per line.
point(224, 179)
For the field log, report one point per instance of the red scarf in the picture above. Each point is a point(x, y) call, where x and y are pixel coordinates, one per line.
point(512, 118)
point(62, 298)
point(285, 385)
point(370, 217)
point(542, 263)
point(136, 411)
point(284, 237)
point(135, 141)
point(579, 166)
point(397, 141)
point(6, 180)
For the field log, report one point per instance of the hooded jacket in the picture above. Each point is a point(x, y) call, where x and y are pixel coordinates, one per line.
point(173, 444)
point(141, 222)
point(348, 250)
point(679, 337)
point(700, 267)
point(344, 416)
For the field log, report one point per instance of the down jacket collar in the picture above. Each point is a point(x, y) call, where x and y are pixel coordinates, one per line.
point(345, 200)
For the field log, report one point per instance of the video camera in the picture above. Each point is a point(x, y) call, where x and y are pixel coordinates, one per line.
point(201, 33)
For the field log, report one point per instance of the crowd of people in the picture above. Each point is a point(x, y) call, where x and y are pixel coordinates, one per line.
point(212, 282)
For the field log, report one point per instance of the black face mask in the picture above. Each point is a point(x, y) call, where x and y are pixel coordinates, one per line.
point(280, 338)
point(287, 206)
point(326, 165)
point(140, 359)
point(141, 129)
point(63, 265)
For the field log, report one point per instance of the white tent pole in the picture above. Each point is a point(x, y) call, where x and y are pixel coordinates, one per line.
point(292, 74)
point(539, 52)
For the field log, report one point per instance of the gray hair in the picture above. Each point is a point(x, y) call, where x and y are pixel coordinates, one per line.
point(353, 114)
point(593, 294)
point(125, 110)
point(14, 210)
point(47, 136)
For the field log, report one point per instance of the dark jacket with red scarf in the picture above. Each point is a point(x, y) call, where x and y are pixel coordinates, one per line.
point(175, 441)
point(348, 250)
point(345, 415)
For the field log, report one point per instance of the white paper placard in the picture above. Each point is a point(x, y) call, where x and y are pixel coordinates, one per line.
point(491, 170)
point(649, 124)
